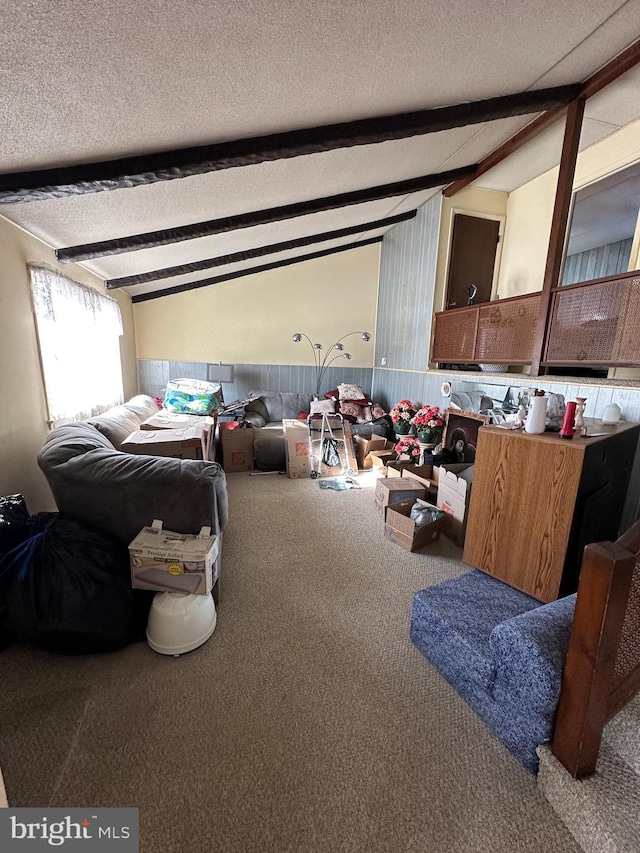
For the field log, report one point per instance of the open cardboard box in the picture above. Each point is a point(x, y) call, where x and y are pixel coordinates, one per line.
point(185, 443)
point(400, 528)
point(454, 494)
point(364, 447)
point(390, 490)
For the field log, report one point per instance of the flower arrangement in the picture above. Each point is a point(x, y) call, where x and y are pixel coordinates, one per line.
point(427, 418)
point(402, 411)
point(409, 446)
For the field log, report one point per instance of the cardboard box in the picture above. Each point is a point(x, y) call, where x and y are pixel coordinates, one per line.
point(364, 446)
point(185, 443)
point(379, 461)
point(296, 437)
point(300, 462)
point(401, 529)
point(390, 490)
point(454, 494)
point(174, 562)
point(165, 419)
point(237, 447)
point(422, 474)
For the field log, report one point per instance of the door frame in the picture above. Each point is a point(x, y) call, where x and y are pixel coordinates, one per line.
point(497, 217)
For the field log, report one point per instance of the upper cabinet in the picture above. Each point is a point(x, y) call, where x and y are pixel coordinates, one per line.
point(496, 332)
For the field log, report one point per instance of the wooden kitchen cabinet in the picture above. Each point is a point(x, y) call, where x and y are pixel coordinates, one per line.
point(537, 500)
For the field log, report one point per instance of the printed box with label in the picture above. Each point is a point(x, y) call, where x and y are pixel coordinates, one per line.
point(296, 436)
point(237, 447)
point(400, 528)
point(454, 494)
point(300, 462)
point(185, 443)
point(173, 562)
point(364, 446)
point(390, 490)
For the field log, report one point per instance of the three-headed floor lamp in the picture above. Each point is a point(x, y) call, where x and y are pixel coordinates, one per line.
point(333, 353)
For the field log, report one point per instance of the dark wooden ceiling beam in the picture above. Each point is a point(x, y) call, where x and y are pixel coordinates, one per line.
point(258, 252)
point(610, 72)
point(219, 279)
point(152, 239)
point(121, 173)
point(619, 65)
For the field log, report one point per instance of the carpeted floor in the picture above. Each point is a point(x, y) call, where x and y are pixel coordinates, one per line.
point(307, 724)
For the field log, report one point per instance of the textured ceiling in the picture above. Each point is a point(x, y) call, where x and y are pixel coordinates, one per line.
point(81, 82)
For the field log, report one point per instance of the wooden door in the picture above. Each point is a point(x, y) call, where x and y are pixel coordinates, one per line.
point(472, 259)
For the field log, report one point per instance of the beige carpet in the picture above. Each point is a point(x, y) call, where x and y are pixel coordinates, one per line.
point(307, 724)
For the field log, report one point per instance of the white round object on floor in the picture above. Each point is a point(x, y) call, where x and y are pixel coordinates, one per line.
point(179, 622)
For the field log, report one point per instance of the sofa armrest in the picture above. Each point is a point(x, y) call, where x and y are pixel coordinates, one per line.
point(255, 419)
point(120, 492)
point(529, 653)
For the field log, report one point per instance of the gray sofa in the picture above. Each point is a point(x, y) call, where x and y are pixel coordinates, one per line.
point(267, 411)
point(503, 651)
point(93, 481)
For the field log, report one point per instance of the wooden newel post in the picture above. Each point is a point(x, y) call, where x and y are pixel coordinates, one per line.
point(584, 706)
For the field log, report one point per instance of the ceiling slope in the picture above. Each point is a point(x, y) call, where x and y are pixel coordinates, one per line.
point(115, 80)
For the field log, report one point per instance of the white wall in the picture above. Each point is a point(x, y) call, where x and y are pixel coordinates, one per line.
point(23, 426)
point(251, 320)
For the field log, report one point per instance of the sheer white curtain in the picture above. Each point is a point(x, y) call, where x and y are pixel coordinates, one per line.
point(79, 335)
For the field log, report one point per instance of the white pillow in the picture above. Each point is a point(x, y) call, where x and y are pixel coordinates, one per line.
point(350, 392)
point(319, 407)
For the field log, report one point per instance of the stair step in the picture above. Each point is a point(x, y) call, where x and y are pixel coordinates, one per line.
point(623, 734)
point(601, 812)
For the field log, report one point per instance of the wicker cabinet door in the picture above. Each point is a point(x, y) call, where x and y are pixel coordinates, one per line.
point(506, 331)
point(454, 337)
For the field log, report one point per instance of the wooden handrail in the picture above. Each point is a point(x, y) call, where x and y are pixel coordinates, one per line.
point(590, 697)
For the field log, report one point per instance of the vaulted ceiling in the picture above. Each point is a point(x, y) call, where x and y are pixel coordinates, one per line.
point(233, 99)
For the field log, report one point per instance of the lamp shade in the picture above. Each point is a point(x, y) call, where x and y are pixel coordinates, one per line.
point(220, 372)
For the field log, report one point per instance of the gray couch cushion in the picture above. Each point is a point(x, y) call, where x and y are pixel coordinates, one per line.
point(278, 405)
point(120, 421)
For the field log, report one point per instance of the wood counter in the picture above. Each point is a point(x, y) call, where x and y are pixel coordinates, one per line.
point(537, 500)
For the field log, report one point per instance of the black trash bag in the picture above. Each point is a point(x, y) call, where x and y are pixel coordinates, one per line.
point(14, 522)
point(330, 454)
point(16, 526)
point(70, 590)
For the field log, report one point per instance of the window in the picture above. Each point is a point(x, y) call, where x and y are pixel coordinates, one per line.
point(603, 225)
point(79, 337)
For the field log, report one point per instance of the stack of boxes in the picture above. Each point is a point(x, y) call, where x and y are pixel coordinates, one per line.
point(446, 488)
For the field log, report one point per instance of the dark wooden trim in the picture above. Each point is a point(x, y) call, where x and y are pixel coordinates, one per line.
point(206, 282)
point(603, 591)
point(145, 169)
point(509, 147)
point(615, 68)
point(562, 288)
point(257, 217)
point(258, 252)
point(494, 303)
point(559, 221)
point(610, 72)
